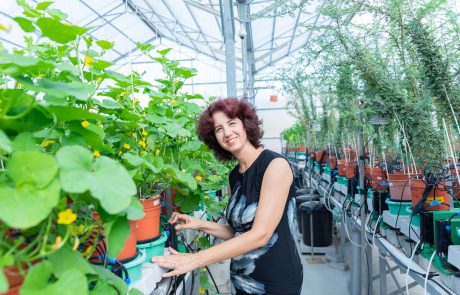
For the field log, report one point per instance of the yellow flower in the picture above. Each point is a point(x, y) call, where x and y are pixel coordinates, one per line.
point(142, 143)
point(88, 61)
point(127, 146)
point(206, 197)
point(120, 153)
point(77, 230)
point(57, 243)
point(202, 290)
point(96, 154)
point(76, 242)
point(85, 123)
point(157, 152)
point(144, 133)
point(88, 251)
point(135, 100)
point(66, 217)
point(99, 80)
point(199, 178)
point(47, 142)
point(18, 85)
point(39, 76)
point(173, 102)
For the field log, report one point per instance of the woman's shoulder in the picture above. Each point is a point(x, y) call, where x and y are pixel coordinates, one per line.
point(270, 155)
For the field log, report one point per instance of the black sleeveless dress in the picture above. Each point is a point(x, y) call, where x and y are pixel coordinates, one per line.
point(276, 267)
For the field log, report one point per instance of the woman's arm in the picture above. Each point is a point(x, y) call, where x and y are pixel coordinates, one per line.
point(273, 196)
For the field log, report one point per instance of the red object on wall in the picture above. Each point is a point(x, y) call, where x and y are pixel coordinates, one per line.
point(273, 98)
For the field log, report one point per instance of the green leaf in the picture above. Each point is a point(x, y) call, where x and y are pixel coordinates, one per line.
point(106, 179)
point(134, 291)
point(117, 232)
point(34, 168)
point(108, 277)
point(112, 185)
point(164, 51)
point(44, 5)
point(33, 203)
point(75, 163)
point(187, 204)
point(37, 282)
point(105, 44)
point(25, 24)
point(135, 211)
point(62, 89)
point(5, 143)
point(59, 32)
point(25, 142)
point(3, 281)
point(65, 259)
point(145, 47)
point(133, 159)
point(69, 113)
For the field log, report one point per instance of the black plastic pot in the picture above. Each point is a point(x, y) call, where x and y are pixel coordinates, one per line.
point(321, 218)
point(300, 200)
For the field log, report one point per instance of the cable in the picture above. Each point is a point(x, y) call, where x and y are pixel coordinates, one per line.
point(428, 270)
point(408, 267)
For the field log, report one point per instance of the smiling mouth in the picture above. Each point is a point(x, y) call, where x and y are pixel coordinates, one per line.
point(231, 140)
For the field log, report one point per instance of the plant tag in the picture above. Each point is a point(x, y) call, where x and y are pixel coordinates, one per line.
point(156, 202)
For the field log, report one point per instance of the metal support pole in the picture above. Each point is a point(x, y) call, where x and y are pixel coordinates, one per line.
point(341, 254)
point(364, 256)
point(229, 33)
point(355, 259)
point(382, 275)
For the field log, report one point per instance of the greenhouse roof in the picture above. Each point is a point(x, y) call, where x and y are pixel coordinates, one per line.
point(191, 27)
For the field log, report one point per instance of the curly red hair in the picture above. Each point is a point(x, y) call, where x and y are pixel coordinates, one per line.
point(233, 108)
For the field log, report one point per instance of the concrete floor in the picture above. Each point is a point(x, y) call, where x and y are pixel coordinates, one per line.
point(323, 278)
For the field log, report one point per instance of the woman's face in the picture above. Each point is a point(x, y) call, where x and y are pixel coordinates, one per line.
point(230, 133)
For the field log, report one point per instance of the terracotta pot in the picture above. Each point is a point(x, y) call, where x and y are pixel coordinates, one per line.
point(377, 175)
point(14, 278)
point(399, 187)
point(350, 154)
point(129, 250)
point(350, 169)
point(342, 167)
point(417, 186)
point(333, 162)
point(302, 148)
point(148, 228)
point(320, 158)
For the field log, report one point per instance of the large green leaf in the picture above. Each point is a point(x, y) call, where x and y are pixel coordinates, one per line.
point(59, 32)
point(65, 259)
point(187, 204)
point(68, 113)
point(112, 185)
point(34, 204)
point(5, 143)
point(25, 24)
point(108, 277)
point(76, 164)
point(62, 89)
point(133, 159)
point(174, 130)
point(37, 282)
point(135, 211)
point(106, 179)
point(25, 142)
point(117, 233)
point(33, 168)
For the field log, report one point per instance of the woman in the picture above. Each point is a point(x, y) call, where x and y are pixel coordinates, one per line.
point(259, 233)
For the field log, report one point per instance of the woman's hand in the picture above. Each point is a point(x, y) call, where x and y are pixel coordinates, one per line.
point(178, 262)
point(185, 221)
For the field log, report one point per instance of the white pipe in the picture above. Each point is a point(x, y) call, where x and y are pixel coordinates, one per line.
point(451, 151)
